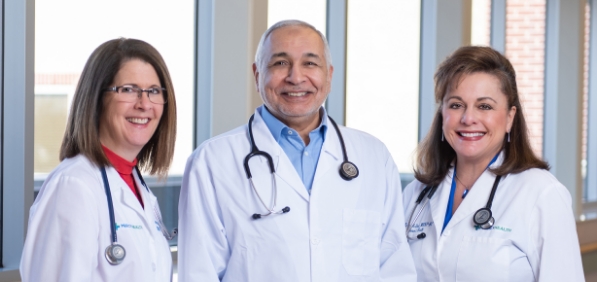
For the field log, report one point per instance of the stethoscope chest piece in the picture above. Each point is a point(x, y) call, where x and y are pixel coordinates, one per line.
point(348, 171)
point(115, 254)
point(483, 218)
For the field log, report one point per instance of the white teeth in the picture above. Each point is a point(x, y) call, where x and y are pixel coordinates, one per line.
point(297, 94)
point(138, 120)
point(475, 134)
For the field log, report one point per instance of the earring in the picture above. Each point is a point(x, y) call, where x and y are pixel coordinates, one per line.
point(442, 136)
point(508, 137)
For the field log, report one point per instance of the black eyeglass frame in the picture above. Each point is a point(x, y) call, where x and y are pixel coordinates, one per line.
point(140, 92)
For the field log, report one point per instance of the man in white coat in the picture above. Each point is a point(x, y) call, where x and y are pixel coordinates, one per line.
point(317, 203)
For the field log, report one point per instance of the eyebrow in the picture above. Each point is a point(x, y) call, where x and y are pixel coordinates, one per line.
point(284, 54)
point(136, 85)
point(478, 99)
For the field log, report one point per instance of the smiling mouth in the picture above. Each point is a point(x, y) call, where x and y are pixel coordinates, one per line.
point(471, 134)
point(296, 94)
point(138, 120)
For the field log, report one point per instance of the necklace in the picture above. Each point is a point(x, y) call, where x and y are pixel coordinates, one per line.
point(465, 188)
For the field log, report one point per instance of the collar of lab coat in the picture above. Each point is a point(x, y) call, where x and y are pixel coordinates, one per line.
point(122, 193)
point(475, 199)
point(330, 156)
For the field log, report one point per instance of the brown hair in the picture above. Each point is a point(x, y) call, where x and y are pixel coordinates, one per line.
point(82, 129)
point(434, 156)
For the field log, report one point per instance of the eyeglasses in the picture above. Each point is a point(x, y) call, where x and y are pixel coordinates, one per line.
point(129, 93)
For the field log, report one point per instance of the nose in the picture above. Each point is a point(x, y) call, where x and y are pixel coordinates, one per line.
point(143, 99)
point(295, 75)
point(468, 116)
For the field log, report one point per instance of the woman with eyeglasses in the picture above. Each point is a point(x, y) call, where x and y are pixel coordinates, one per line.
point(483, 207)
point(94, 218)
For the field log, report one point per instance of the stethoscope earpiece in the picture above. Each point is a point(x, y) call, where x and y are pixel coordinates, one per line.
point(115, 254)
point(348, 171)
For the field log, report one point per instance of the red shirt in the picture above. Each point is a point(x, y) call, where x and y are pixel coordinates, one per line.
point(125, 169)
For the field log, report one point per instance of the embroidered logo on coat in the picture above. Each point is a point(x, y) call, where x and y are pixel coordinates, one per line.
point(500, 228)
point(128, 225)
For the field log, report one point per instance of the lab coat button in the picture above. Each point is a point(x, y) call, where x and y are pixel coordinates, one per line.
point(315, 241)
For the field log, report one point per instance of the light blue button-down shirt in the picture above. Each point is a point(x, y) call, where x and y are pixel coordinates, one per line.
point(303, 158)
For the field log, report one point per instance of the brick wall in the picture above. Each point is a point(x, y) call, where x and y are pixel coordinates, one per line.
point(525, 38)
point(56, 78)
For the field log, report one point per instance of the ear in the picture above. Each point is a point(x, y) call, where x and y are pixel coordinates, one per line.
point(511, 115)
point(256, 74)
point(329, 79)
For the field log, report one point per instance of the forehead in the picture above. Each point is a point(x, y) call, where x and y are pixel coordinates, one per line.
point(136, 70)
point(476, 84)
point(294, 40)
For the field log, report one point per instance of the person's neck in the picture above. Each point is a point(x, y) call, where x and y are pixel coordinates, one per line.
point(129, 155)
point(303, 125)
point(468, 172)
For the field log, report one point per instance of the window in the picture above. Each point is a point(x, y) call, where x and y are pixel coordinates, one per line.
point(67, 31)
point(311, 11)
point(382, 77)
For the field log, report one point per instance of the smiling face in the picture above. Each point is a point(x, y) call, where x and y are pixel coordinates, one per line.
point(476, 118)
point(294, 79)
point(125, 127)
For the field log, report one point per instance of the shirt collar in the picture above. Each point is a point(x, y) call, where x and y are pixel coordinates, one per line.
point(276, 127)
point(121, 165)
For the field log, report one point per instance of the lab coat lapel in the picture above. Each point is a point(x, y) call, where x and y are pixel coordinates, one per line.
point(121, 193)
point(439, 203)
point(149, 203)
point(331, 153)
point(476, 198)
point(285, 171)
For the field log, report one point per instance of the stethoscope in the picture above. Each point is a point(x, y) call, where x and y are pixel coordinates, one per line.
point(348, 170)
point(115, 252)
point(483, 217)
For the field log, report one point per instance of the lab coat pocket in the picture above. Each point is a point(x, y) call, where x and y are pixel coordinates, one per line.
point(483, 259)
point(360, 241)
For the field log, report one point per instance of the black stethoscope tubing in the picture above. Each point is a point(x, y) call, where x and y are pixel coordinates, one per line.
point(348, 170)
point(115, 253)
point(427, 191)
point(482, 217)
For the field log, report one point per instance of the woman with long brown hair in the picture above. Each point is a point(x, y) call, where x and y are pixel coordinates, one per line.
point(483, 207)
point(94, 218)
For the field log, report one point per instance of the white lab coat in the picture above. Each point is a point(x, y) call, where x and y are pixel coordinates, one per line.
point(343, 231)
point(533, 239)
point(69, 229)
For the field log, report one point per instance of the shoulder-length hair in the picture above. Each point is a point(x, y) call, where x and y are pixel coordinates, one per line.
point(436, 156)
point(82, 129)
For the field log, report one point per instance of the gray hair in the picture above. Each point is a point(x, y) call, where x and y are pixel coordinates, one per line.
point(280, 24)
